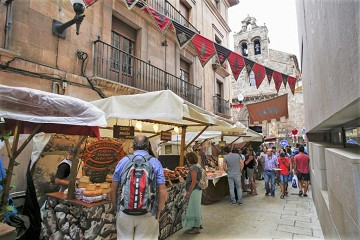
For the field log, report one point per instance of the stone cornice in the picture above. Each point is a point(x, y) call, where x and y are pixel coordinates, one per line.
point(217, 14)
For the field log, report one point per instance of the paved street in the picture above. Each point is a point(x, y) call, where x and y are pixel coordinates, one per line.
point(260, 217)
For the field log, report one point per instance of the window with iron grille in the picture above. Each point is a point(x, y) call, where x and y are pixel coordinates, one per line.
point(185, 77)
point(122, 61)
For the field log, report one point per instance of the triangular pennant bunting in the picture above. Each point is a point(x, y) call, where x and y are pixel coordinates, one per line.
point(183, 34)
point(130, 3)
point(277, 80)
point(162, 22)
point(140, 4)
point(204, 47)
point(285, 79)
point(222, 53)
point(292, 81)
point(236, 62)
point(88, 3)
point(249, 65)
point(259, 72)
point(269, 73)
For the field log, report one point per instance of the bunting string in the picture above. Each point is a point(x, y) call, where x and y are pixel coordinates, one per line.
point(206, 49)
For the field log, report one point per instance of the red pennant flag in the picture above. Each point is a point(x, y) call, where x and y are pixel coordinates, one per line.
point(236, 62)
point(259, 72)
point(161, 21)
point(292, 82)
point(285, 79)
point(269, 74)
point(204, 47)
point(88, 3)
point(277, 80)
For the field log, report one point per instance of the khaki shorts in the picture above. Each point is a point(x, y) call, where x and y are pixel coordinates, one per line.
point(250, 172)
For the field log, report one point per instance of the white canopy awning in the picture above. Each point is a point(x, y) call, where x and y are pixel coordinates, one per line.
point(31, 105)
point(162, 107)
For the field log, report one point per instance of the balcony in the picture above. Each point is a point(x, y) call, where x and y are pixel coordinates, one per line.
point(221, 107)
point(170, 11)
point(116, 65)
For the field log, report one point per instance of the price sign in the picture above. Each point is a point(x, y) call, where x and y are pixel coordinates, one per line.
point(165, 136)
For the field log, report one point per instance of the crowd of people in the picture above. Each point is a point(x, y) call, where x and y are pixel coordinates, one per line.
point(244, 167)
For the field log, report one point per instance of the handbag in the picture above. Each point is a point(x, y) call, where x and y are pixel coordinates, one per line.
point(294, 182)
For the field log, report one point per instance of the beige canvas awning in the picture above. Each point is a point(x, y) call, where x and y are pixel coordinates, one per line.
point(164, 108)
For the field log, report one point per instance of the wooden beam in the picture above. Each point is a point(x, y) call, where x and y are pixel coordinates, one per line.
point(182, 149)
point(196, 137)
point(74, 169)
point(233, 141)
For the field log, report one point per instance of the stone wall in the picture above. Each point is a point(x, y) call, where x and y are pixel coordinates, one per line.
point(64, 219)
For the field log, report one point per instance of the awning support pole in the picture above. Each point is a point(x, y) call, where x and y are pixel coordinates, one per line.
point(13, 153)
point(182, 149)
point(206, 127)
point(74, 169)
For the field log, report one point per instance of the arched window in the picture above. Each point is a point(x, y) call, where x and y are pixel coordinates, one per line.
point(257, 47)
point(244, 49)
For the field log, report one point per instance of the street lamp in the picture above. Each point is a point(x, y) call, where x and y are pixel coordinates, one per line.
point(58, 28)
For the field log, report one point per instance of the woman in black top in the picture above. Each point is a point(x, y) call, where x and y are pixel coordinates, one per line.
point(250, 164)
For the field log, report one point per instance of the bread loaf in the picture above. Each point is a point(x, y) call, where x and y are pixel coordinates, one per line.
point(104, 185)
point(90, 187)
point(84, 179)
point(93, 193)
point(105, 190)
point(83, 185)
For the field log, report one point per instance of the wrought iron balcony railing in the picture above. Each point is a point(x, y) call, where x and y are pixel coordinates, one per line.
point(221, 106)
point(116, 65)
point(170, 11)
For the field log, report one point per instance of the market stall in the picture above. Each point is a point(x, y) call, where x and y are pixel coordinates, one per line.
point(32, 111)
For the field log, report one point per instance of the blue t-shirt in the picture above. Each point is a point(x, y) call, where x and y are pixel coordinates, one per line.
point(155, 163)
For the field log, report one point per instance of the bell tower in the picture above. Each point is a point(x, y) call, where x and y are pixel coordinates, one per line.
point(252, 41)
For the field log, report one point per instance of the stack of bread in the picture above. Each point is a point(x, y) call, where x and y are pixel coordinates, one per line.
point(93, 192)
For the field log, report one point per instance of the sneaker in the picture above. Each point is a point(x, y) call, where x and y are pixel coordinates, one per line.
point(239, 203)
point(267, 194)
point(233, 203)
point(273, 194)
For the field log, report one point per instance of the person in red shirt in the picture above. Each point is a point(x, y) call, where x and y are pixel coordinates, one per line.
point(294, 135)
point(301, 161)
point(284, 164)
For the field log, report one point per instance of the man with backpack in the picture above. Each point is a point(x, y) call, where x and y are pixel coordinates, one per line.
point(138, 193)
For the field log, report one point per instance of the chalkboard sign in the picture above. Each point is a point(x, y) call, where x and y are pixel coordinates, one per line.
point(165, 136)
point(123, 132)
point(100, 159)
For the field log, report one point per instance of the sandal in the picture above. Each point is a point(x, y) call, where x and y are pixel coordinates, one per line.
point(300, 193)
point(305, 195)
point(282, 196)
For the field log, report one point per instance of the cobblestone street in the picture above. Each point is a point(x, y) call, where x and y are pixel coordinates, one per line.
point(259, 217)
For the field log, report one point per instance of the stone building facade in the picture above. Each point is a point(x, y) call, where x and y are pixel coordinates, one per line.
point(252, 41)
point(118, 51)
point(330, 73)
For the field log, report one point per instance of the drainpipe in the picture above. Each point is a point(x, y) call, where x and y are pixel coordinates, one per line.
point(8, 22)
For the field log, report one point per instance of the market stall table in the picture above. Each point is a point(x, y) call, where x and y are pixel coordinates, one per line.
point(75, 219)
point(217, 189)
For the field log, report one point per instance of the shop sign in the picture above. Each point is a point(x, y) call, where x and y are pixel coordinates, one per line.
point(100, 157)
point(123, 132)
point(165, 136)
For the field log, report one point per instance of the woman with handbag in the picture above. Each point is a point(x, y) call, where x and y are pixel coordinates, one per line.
point(193, 219)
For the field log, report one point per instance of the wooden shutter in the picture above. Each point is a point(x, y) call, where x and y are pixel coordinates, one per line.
point(123, 29)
